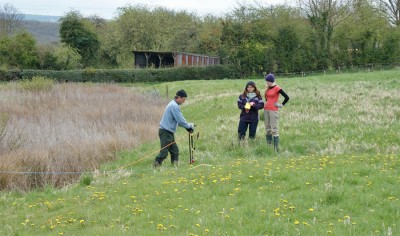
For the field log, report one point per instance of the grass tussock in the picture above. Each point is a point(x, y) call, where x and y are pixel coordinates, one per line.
point(69, 128)
point(37, 83)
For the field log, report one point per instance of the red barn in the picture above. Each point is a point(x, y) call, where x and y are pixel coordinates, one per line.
point(153, 59)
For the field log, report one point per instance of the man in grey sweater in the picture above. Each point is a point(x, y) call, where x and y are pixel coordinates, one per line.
point(170, 120)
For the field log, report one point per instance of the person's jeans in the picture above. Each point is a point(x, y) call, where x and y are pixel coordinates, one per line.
point(252, 126)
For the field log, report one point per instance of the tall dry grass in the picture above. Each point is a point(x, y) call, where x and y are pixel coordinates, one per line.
point(69, 128)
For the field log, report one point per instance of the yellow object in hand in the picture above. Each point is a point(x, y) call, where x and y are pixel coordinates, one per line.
point(247, 106)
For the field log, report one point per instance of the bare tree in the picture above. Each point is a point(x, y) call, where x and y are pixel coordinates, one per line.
point(392, 8)
point(10, 19)
point(324, 16)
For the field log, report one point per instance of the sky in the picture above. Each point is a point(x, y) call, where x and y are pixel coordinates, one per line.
point(107, 8)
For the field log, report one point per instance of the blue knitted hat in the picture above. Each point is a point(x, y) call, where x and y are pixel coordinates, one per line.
point(270, 78)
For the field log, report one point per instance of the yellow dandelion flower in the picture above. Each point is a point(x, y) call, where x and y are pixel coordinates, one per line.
point(82, 221)
point(296, 222)
point(198, 225)
point(207, 230)
point(311, 209)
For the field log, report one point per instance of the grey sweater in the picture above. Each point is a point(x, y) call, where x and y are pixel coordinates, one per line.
point(173, 117)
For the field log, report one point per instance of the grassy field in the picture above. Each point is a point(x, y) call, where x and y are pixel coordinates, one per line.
point(337, 172)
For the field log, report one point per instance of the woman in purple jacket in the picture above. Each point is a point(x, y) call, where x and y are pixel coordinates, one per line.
point(249, 102)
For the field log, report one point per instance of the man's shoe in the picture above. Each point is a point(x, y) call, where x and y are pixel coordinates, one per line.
point(156, 164)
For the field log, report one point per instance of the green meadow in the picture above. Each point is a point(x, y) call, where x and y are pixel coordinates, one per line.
point(337, 172)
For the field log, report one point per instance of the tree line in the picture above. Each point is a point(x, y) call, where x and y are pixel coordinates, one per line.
point(254, 37)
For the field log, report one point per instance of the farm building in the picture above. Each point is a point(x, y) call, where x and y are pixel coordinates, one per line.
point(144, 59)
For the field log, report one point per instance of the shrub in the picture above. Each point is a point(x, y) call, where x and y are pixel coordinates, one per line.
point(37, 83)
point(137, 75)
point(8, 75)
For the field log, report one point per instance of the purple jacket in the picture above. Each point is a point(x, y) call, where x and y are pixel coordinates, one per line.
point(252, 115)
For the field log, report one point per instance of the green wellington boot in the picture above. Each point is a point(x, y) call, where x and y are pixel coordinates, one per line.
point(276, 143)
point(269, 139)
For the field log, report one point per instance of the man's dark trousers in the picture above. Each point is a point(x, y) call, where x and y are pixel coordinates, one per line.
point(166, 138)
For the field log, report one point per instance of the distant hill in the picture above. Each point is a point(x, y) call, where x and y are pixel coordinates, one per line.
point(45, 32)
point(41, 18)
point(44, 28)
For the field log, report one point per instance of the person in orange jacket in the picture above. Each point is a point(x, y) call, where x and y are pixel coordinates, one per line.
point(271, 109)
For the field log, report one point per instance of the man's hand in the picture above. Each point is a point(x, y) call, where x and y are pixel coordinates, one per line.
point(190, 130)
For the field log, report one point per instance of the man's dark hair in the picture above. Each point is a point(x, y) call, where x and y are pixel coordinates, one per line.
point(181, 93)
